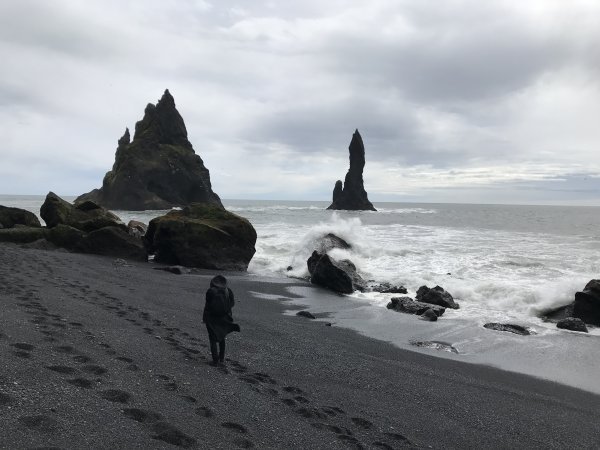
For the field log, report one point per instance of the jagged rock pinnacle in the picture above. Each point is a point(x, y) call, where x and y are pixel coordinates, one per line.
point(352, 196)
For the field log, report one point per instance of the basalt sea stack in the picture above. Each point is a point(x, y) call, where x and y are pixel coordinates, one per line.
point(158, 169)
point(352, 195)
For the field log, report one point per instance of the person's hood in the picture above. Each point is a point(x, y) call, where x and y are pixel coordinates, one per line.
point(219, 282)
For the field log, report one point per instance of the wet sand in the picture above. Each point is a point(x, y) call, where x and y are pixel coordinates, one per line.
point(97, 353)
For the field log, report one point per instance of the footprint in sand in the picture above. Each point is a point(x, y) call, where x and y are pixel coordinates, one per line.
point(398, 437)
point(5, 399)
point(205, 411)
point(23, 346)
point(293, 390)
point(124, 359)
point(363, 423)
point(65, 349)
point(22, 354)
point(142, 415)
point(94, 369)
point(311, 413)
point(40, 422)
point(81, 359)
point(171, 435)
point(81, 382)
point(189, 398)
point(115, 395)
point(66, 370)
point(235, 427)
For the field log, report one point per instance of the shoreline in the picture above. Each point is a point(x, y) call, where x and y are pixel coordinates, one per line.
point(289, 382)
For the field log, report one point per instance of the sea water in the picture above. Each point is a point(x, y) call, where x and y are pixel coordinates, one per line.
point(501, 263)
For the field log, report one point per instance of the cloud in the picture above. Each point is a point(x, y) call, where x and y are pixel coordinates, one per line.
point(459, 95)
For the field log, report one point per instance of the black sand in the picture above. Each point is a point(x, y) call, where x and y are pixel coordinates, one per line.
point(100, 354)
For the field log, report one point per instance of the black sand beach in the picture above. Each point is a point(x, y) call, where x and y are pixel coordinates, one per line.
point(99, 353)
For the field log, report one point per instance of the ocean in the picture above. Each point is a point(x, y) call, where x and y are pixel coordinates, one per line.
point(501, 263)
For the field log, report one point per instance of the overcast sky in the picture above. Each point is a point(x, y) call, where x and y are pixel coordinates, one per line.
point(458, 101)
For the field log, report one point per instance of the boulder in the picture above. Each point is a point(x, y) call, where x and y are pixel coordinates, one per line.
point(202, 235)
point(329, 242)
point(22, 235)
point(9, 217)
point(136, 228)
point(436, 296)
point(409, 306)
point(68, 238)
point(306, 314)
point(429, 316)
point(386, 288)
point(114, 241)
point(509, 327)
point(158, 169)
point(573, 324)
point(352, 195)
point(86, 216)
point(339, 276)
point(587, 303)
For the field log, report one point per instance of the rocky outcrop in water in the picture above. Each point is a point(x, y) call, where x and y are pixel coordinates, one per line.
point(352, 195)
point(436, 296)
point(202, 235)
point(158, 169)
point(409, 306)
point(585, 307)
point(9, 217)
point(573, 324)
point(509, 327)
point(339, 276)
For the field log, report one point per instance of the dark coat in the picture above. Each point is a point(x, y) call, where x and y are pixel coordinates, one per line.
point(219, 325)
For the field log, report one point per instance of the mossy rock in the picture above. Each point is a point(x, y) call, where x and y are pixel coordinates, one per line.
point(9, 217)
point(86, 216)
point(113, 241)
point(22, 235)
point(202, 235)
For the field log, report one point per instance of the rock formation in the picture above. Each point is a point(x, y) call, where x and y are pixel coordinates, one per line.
point(585, 307)
point(202, 235)
point(436, 296)
point(409, 306)
point(87, 228)
point(158, 169)
point(352, 195)
point(339, 276)
point(9, 217)
point(509, 327)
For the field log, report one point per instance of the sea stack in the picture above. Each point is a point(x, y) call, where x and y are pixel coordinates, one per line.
point(158, 169)
point(352, 195)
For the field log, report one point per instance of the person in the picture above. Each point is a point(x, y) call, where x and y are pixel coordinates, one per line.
point(218, 317)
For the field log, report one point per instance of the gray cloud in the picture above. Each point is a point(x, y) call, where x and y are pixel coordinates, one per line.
point(461, 88)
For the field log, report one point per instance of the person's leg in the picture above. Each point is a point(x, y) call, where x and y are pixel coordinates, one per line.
point(222, 350)
point(213, 346)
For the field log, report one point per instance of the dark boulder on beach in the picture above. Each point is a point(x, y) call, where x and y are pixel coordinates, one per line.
point(409, 306)
point(306, 314)
point(587, 303)
point(511, 328)
point(114, 241)
point(86, 216)
point(573, 324)
point(136, 228)
point(158, 169)
point(352, 195)
point(436, 296)
point(202, 235)
point(22, 235)
point(339, 276)
point(9, 217)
